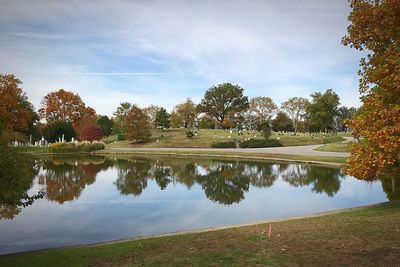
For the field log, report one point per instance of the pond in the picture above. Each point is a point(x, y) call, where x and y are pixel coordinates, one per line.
point(91, 199)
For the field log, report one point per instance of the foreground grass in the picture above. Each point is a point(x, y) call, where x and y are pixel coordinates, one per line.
point(335, 147)
point(205, 138)
point(365, 237)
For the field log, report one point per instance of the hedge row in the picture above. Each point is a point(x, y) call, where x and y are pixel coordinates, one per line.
point(72, 147)
point(230, 144)
point(255, 143)
point(251, 143)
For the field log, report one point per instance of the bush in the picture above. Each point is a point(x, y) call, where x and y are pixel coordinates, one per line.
point(91, 133)
point(189, 134)
point(230, 144)
point(265, 129)
point(255, 143)
point(72, 147)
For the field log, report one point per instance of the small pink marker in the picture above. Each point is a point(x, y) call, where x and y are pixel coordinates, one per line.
point(269, 230)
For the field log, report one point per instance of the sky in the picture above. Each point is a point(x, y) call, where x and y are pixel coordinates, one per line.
point(161, 52)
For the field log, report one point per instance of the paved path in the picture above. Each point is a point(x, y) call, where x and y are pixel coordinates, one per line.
point(292, 150)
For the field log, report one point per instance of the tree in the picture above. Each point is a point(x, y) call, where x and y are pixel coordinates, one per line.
point(374, 26)
point(162, 119)
point(184, 114)
point(282, 122)
point(91, 133)
point(343, 117)
point(206, 122)
point(223, 100)
point(120, 115)
point(151, 112)
point(105, 124)
point(88, 118)
point(322, 110)
point(16, 112)
point(62, 106)
point(54, 131)
point(136, 125)
point(265, 129)
point(296, 108)
point(263, 108)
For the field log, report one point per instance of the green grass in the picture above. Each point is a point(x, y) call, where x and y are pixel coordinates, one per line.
point(364, 237)
point(32, 149)
point(177, 138)
point(246, 155)
point(335, 147)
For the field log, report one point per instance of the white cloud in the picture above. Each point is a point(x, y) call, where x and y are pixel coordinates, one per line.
point(163, 51)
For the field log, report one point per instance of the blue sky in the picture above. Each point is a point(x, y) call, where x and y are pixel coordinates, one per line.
point(161, 52)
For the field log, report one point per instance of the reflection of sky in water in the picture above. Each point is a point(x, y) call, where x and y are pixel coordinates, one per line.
point(101, 213)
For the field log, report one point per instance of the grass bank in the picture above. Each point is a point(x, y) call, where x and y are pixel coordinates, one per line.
point(335, 147)
point(363, 237)
point(241, 155)
point(205, 138)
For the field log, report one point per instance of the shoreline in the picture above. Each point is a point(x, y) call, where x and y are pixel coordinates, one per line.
point(278, 158)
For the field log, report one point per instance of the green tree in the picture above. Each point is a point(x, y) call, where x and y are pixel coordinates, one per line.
point(282, 122)
point(322, 110)
point(120, 116)
point(296, 108)
point(105, 124)
point(163, 118)
point(343, 117)
point(54, 131)
point(265, 129)
point(223, 100)
point(136, 125)
point(184, 114)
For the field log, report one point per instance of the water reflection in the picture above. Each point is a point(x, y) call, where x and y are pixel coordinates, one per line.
point(17, 172)
point(65, 178)
point(222, 181)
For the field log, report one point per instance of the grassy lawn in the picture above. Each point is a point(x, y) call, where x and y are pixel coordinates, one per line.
point(217, 154)
point(364, 237)
point(335, 147)
point(177, 138)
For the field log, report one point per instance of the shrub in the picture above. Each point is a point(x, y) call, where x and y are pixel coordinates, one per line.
point(87, 147)
point(265, 129)
point(255, 143)
point(91, 133)
point(72, 147)
point(230, 144)
point(189, 134)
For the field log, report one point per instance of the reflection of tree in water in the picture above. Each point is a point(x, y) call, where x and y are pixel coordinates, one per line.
point(132, 176)
point(66, 177)
point(296, 175)
point(261, 174)
point(162, 175)
point(184, 173)
point(225, 182)
point(17, 172)
point(391, 186)
point(323, 179)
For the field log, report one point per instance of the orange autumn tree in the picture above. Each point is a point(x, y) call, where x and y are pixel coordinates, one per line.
point(375, 28)
point(67, 107)
point(16, 111)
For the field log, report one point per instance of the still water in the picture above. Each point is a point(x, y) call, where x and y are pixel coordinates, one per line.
point(92, 199)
